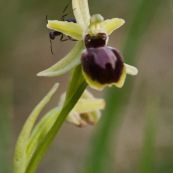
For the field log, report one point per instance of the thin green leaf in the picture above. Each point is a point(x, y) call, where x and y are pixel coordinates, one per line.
point(20, 157)
point(76, 87)
point(40, 130)
point(71, 60)
point(71, 29)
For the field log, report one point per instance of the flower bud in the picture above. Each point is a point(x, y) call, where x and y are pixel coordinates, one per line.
point(86, 111)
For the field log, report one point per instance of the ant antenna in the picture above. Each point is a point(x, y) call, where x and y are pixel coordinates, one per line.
point(64, 15)
point(66, 7)
point(49, 39)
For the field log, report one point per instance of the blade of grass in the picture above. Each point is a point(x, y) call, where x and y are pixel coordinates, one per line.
point(147, 155)
point(5, 125)
point(98, 160)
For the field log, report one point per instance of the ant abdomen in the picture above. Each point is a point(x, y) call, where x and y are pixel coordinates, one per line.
point(71, 20)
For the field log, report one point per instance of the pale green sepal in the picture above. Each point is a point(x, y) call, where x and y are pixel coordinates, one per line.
point(131, 70)
point(112, 24)
point(89, 105)
point(20, 156)
point(81, 12)
point(71, 29)
point(71, 60)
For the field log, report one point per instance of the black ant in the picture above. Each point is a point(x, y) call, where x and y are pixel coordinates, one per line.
point(53, 34)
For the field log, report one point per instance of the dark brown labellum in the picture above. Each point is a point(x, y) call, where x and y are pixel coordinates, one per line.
point(103, 64)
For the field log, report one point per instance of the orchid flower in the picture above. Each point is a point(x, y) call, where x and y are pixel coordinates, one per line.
point(101, 65)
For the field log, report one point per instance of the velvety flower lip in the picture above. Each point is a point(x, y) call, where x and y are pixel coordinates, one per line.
point(102, 65)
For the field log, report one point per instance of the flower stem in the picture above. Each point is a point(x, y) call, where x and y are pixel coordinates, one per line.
point(76, 87)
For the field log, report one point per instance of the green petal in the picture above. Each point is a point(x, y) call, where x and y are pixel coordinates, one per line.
point(131, 70)
point(71, 60)
point(71, 29)
point(112, 24)
point(81, 12)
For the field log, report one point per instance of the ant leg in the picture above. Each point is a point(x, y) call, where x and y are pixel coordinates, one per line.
point(61, 38)
point(51, 49)
point(66, 7)
point(72, 39)
point(46, 18)
point(63, 17)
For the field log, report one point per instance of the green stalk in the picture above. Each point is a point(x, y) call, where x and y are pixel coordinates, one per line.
point(98, 161)
point(76, 87)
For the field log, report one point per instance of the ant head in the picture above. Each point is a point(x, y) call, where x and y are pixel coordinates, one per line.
point(53, 34)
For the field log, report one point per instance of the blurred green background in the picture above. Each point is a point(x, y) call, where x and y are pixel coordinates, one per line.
point(136, 130)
